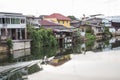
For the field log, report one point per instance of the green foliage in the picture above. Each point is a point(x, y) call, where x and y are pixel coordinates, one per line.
point(89, 44)
point(89, 30)
point(89, 36)
point(41, 38)
point(106, 42)
point(39, 53)
point(107, 32)
point(9, 43)
point(72, 17)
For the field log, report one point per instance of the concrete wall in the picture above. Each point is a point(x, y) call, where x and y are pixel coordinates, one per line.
point(18, 45)
point(3, 48)
point(21, 53)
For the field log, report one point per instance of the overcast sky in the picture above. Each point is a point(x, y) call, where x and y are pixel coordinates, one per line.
point(65, 7)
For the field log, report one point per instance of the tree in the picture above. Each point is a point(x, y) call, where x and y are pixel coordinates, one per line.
point(41, 38)
point(72, 17)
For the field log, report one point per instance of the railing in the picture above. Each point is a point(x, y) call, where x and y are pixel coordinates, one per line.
point(59, 36)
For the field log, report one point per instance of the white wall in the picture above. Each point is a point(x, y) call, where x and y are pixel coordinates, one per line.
point(13, 26)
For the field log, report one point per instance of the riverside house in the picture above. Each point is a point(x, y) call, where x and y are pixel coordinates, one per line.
point(107, 23)
point(33, 21)
point(59, 18)
point(65, 29)
point(97, 26)
point(116, 25)
point(62, 33)
point(12, 25)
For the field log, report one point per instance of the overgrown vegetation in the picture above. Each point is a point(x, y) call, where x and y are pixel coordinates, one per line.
point(10, 46)
point(107, 32)
point(41, 38)
point(9, 43)
point(90, 34)
point(89, 44)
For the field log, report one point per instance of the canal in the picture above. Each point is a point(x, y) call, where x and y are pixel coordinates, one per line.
point(89, 60)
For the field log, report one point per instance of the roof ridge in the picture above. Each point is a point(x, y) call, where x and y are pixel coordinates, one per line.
point(58, 16)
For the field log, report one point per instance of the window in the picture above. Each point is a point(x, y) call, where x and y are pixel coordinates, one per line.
point(22, 21)
point(12, 20)
point(7, 20)
point(17, 21)
point(3, 20)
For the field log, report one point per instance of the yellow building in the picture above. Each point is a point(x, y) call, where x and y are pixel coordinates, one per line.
point(58, 18)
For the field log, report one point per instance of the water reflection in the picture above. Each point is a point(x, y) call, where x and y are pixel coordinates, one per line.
point(59, 55)
point(16, 56)
point(78, 48)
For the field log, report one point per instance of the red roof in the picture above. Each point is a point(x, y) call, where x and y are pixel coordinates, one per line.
point(58, 16)
point(48, 23)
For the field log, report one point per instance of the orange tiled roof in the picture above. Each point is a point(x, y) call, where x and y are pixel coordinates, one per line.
point(48, 23)
point(58, 16)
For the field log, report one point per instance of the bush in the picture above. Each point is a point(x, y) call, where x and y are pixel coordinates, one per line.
point(89, 30)
point(42, 39)
point(9, 43)
point(90, 36)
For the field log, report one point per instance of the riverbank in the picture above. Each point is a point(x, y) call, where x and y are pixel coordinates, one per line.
point(91, 66)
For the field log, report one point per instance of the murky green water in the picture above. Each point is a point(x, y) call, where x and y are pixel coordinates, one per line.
point(57, 53)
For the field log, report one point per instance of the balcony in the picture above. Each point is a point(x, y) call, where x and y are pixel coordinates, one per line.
point(4, 25)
